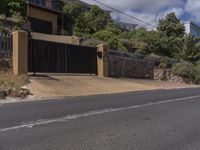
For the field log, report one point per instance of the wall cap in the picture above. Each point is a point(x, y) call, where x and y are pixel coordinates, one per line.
point(19, 31)
point(102, 45)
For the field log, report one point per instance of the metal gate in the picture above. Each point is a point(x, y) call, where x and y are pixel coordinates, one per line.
point(52, 57)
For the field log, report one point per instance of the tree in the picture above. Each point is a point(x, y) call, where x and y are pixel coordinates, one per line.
point(12, 7)
point(115, 44)
point(93, 21)
point(99, 18)
point(84, 25)
point(169, 46)
point(171, 26)
point(104, 35)
point(12, 10)
point(191, 48)
point(146, 42)
point(72, 12)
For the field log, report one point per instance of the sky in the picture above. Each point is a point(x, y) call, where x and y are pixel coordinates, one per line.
point(151, 10)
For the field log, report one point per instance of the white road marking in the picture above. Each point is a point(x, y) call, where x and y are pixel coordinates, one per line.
point(91, 113)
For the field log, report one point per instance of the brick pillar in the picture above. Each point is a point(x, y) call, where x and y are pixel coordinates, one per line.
point(102, 63)
point(20, 52)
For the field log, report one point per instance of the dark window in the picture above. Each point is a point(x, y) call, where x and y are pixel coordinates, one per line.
point(41, 26)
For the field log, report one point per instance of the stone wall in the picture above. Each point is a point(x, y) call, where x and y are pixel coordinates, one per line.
point(127, 65)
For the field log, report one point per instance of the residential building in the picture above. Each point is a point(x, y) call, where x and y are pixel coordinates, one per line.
point(192, 28)
point(43, 16)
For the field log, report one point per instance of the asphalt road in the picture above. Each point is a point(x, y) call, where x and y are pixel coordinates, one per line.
point(150, 120)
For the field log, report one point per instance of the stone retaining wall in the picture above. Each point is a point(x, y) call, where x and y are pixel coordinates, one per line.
point(127, 65)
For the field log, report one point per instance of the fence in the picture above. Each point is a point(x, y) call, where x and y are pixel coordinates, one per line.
point(5, 46)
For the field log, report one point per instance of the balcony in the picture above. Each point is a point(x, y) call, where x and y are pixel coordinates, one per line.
point(51, 5)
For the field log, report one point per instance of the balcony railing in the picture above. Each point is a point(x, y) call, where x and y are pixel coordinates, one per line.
point(48, 4)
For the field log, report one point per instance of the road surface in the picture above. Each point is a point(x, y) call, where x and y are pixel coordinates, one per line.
point(150, 120)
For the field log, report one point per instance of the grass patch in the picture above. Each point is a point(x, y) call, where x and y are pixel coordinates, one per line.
point(13, 83)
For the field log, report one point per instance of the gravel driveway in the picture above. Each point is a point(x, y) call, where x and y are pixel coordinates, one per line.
point(63, 85)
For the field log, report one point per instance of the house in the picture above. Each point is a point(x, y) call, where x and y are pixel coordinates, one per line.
point(192, 28)
point(43, 16)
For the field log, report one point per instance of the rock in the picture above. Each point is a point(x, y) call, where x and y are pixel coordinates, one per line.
point(24, 87)
point(24, 92)
point(168, 75)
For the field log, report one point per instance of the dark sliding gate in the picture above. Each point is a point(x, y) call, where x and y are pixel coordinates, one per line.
point(52, 57)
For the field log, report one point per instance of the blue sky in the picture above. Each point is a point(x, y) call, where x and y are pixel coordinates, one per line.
point(151, 10)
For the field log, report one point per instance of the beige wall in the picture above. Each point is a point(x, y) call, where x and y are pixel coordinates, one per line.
point(20, 55)
point(102, 63)
point(44, 15)
point(56, 38)
point(20, 52)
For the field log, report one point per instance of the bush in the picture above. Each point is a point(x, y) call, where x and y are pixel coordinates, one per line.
point(103, 35)
point(186, 70)
point(115, 44)
point(197, 75)
point(10, 81)
point(141, 47)
point(197, 63)
point(162, 65)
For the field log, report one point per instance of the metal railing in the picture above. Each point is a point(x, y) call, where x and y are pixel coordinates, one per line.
point(49, 4)
point(5, 46)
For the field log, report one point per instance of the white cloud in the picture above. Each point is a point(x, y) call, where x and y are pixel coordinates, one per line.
point(193, 7)
point(150, 18)
point(148, 6)
point(178, 11)
point(147, 17)
point(151, 10)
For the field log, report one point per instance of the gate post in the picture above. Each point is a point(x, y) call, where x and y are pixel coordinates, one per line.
point(102, 63)
point(20, 52)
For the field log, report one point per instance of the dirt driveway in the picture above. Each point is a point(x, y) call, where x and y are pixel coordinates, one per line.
point(79, 85)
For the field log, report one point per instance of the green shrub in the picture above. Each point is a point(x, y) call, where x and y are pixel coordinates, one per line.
point(197, 75)
point(185, 69)
point(141, 47)
point(197, 63)
point(103, 35)
point(162, 65)
point(115, 44)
